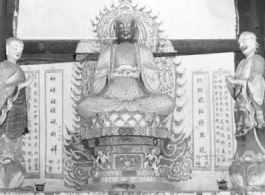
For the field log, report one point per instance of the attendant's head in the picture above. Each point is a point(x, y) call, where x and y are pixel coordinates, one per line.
point(125, 28)
point(248, 43)
point(14, 49)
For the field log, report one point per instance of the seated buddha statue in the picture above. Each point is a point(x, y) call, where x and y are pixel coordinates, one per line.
point(126, 78)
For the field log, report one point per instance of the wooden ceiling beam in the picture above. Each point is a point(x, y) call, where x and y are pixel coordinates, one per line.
point(182, 46)
point(53, 51)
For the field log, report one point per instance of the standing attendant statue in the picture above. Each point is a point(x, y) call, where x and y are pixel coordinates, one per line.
point(13, 116)
point(247, 89)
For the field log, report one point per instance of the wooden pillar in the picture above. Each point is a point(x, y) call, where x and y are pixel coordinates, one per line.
point(256, 23)
point(3, 9)
point(7, 22)
point(263, 22)
point(11, 18)
point(251, 18)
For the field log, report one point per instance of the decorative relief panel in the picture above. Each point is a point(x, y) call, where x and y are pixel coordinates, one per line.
point(223, 123)
point(31, 141)
point(201, 120)
point(54, 125)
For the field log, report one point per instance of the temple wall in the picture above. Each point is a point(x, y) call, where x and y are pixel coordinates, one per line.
point(182, 19)
point(50, 112)
point(204, 177)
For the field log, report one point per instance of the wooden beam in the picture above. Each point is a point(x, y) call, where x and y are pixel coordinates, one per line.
point(50, 46)
point(31, 59)
point(54, 51)
point(204, 46)
point(183, 47)
point(3, 4)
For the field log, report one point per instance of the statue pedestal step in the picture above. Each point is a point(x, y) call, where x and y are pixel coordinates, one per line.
point(127, 173)
point(136, 180)
point(143, 186)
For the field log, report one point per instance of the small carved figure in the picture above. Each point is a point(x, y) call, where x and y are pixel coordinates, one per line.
point(40, 187)
point(128, 163)
point(101, 162)
point(222, 185)
point(152, 160)
point(247, 89)
point(126, 186)
point(13, 116)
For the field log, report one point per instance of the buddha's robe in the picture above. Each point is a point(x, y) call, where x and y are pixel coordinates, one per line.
point(134, 90)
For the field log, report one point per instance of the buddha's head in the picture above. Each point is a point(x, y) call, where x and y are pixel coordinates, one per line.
point(125, 28)
point(247, 43)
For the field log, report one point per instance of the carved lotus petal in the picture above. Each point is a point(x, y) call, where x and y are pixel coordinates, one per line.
point(137, 116)
point(127, 124)
point(113, 116)
point(107, 123)
point(119, 122)
point(132, 122)
point(142, 123)
point(125, 116)
point(97, 125)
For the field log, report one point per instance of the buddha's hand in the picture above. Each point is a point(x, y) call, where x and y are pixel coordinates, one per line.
point(130, 73)
point(6, 158)
point(125, 71)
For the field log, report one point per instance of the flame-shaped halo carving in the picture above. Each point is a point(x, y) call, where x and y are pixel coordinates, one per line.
point(149, 32)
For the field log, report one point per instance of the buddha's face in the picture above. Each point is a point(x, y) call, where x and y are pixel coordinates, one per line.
point(125, 29)
point(247, 45)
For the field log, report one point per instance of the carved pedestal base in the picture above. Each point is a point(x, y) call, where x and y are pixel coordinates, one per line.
point(126, 159)
point(248, 175)
point(127, 147)
point(124, 123)
point(12, 172)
